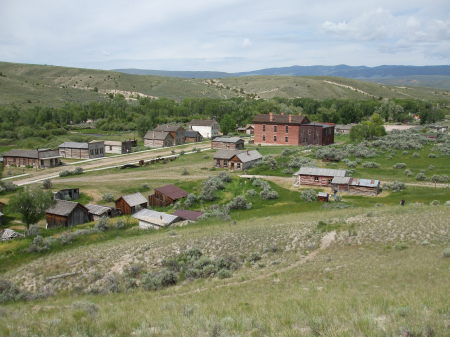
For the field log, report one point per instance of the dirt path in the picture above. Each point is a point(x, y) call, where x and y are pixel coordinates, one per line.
point(325, 242)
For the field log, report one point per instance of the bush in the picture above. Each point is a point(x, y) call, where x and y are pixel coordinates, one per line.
point(145, 187)
point(33, 231)
point(254, 257)
point(47, 184)
point(298, 162)
point(107, 197)
point(399, 166)
point(239, 202)
point(395, 186)
point(370, 164)
point(8, 187)
point(159, 280)
point(421, 176)
point(102, 224)
point(38, 245)
point(250, 193)
point(415, 155)
point(308, 195)
point(10, 293)
point(64, 173)
point(432, 155)
point(268, 194)
point(446, 252)
point(435, 203)
point(408, 172)
point(224, 273)
point(133, 270)
point(185, 172)
point(216, 211)
point(78, 170)
point(190, 200)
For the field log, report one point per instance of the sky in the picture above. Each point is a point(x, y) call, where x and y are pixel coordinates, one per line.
point(224, 35)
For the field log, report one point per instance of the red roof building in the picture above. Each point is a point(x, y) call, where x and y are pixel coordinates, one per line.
point(166, 195)
point(188, 215)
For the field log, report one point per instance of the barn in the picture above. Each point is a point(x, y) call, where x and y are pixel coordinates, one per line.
point(66, 213)
point(97, 211)
point(93, 149)
point(317, 176)
point(236, 159)
point(166, 195)
point(150, 219)
point(227, 143)
point(158, 139)
point(176, 131)
point(40, 158)
point(131, 203)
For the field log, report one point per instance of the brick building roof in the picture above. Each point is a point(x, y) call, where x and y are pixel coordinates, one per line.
point(280, 119)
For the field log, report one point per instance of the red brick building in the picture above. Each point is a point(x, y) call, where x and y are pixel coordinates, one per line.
point(291, 130)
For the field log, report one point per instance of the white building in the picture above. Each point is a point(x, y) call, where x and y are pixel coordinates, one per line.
point(149, 219)
point(208, 128)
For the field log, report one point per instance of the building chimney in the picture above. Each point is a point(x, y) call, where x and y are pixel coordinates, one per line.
point(271, 116)
point(290, 118)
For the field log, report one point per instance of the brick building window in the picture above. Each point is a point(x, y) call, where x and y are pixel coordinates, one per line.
point(286, 139)
point(264, 138)
point(274, 128)
point(264, 128)
point(287, 129)
point(274, 138)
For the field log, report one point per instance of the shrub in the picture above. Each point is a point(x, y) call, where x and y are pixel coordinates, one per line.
point(250, 193)
point(395, 186)
point(159, 280)
point(107, 197)
point(10, 292)
point(415, 155)
point(78, 170)
point(47, 184)
point(216, 211)
point(224, 273)
point(190, 200)
point(133, 270)
point(435, 203)
point(298, 162)
point(254, 257)
point(64, 173)
point(33, 230)
point(432, 155)
point(268, 194)
point(239, 202)
point(185, 172)
point(421, 176)
point(119, 224)
point(370, 164)
point(38, 245)
point(351, 164)
point(145, 187)
point(101, 224)
point(268, 161)
point(408, 172)
point(446, 252)
point(308, 195)
point(399, 166)
point(431, 167)
point(8, 187)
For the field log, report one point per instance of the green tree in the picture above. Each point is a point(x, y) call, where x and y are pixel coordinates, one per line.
point(31, 203)
point(227, 124)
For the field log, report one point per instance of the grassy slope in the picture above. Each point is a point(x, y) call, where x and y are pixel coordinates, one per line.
point(50, 85)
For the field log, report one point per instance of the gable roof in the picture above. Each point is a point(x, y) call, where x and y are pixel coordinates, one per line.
point(279, 119)
point(319, 171)
point(158, 135)
point(227, 139)
point(98, 209)
point(168, 127)
point(157, 218)
point(172, 191)
point(75, 145)
point(341, 180)
point(225, 154)
point(192, 134)
point(187, 214)
point(134, 199)
point(202, 122)
point(247, 156)
point(35, 154)
point(63, 207)
point(365, 182)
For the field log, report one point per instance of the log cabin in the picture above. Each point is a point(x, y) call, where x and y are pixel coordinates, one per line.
point(131, 203)
point(356, 185)
point(317, 176)
point(66, 213)
point(40, 158)
point(166, 195)
point(97, 211)
point(236, 159)
point(227, 143)
point(191, 136)
point(93, 149)
point(158, 139)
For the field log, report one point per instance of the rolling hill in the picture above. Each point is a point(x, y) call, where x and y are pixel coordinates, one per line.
point(27, 84)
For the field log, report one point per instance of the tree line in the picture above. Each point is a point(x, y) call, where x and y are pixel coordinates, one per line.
point(18, 122)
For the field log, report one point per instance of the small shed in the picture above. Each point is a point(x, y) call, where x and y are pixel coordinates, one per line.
point(188, 215)
point(341, 184)
point(67, 194)
point(166, 195)
point(322, 196)
point(66, 213)
point(317, 176)
point(9, 234)
point(365, 186)
point(97, 211)
point(227, 143)
point(118, 147)
point(150, 219)
point(131, 203)
point(236, 159)
point(191, 136)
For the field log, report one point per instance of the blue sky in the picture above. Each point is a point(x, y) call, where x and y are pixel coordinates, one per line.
point(224, 35)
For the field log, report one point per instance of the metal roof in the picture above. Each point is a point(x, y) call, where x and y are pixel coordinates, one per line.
point(247, 156)
point(134, 199)
point(63, 207)
point(188, 215)
point(35, 154)
point(227, 139)
point(10, 234)
point(322, 194)
point(172, 191)
point(158, 135)
point(225, 154)
point(98, 209)
point(318, 171)
point(156, 218)
point(75, 145)
point(365, 182)
point(191, 133)
point(341, 180)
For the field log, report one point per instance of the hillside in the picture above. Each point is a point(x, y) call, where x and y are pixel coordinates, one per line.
point(50, 85)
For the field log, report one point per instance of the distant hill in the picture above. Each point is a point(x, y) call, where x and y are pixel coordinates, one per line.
point(427, 76)
point(27, 84)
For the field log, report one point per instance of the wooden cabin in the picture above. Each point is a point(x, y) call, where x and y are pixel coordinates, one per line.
point(356, 185)
point(40, 158)
point(227, 143)
point(118, 147)
point(341, 184)
point(317, 176)
point(66, 213)
point(94, 149)
point(166, 195)
point(236, 159)
point(191, 136)
point(176, 131)
point(97, 211)
point(67, 194)
point(158, 139)
point(131, 203)
point(150, 219)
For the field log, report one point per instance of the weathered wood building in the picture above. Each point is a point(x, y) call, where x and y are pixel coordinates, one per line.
point(227, 143)
point(188, 215)
point(317, 176)
point(208, 128)
point(97, 211)
point(150, 219)
point(66, 213)
point(236, 159)
point(191, 136)
point(356, 185)
point(166, 195)
point(158, 139)
point(94, 149)
point(281, 129)
point(67, 194)
point(40, 158)
point(118, 147)
point(131, 203)
point(176, 131)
